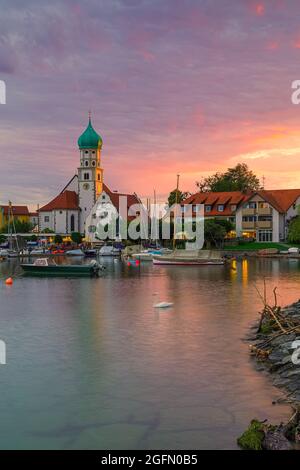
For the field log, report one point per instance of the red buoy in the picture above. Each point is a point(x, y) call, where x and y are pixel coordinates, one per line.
point(9, 281)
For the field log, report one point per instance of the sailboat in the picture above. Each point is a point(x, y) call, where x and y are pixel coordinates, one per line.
point(12, 235)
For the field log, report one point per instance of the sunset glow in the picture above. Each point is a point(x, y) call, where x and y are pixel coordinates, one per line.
point(172, 90)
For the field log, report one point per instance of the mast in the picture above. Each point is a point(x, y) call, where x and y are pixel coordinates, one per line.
point(176, 202)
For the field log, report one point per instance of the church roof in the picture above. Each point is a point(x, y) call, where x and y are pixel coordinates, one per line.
point(90, 139)
point(65, 200)
point(115, 199)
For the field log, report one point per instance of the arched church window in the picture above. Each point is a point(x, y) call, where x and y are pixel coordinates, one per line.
point(86, 176)
point(72, 223)
point(86, 151)
point(93, 163)
point(86, 163)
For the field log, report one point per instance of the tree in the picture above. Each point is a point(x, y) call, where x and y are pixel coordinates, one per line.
point(180, 197)
point(18, 226)
point(76, 237)
point(294, 230)
point(215, 230)
point(239, 178)
point(2, 239)
point(58, 239)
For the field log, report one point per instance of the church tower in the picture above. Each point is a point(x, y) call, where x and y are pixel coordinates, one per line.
point(90, 173)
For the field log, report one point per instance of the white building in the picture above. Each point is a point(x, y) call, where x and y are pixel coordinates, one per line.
point(69, 211)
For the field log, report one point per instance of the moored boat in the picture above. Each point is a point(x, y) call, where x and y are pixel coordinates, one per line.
point(190, 258)
point(76, 252)
point(109, 250)
point(43, 266)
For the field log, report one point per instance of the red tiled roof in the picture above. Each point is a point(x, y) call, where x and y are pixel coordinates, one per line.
point(16, 210)
point(226, 198)
point(115, 198)
point(33, 214)
point(65, 200)
point(280, 199)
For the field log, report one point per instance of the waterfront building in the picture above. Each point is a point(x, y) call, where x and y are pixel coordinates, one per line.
point(263, 215)
point(74, 208)
point(20, 214)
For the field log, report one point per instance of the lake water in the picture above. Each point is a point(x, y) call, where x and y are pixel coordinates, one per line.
point(92, 365)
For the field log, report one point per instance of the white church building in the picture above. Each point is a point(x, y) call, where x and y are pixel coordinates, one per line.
point(72, 210)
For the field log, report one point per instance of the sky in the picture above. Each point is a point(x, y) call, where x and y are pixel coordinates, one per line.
point(174, 86)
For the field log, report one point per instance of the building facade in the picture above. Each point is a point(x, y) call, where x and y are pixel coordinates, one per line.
point(263, 215)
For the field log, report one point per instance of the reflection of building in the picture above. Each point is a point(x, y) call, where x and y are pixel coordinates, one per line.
point(263, 215)
point(20, 214)
point(69, 211)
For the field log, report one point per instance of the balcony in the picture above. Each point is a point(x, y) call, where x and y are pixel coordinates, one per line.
point(264, 211)
point(248, 211)
point(248, 225)
point(264, 224)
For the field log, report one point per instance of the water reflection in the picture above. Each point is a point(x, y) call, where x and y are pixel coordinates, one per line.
point(91, 363)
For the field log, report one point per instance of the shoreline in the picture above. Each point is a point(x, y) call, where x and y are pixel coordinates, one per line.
point(274, 344)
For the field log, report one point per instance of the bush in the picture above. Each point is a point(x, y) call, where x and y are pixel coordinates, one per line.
point(76, 237)
point(58, 239)
point(294, 230)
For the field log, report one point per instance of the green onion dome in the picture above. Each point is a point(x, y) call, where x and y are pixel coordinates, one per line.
point(90, 139)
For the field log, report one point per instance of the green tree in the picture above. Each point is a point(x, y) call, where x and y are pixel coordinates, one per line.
point(239, 178)
point(76, 237)
point(294, 230)
point(58, 239)
point(47, 230)
point(2, 238)
point(180, 197)
point(18, 227)
point(215, 230)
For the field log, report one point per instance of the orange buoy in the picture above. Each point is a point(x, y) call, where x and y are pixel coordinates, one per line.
point(9, 281)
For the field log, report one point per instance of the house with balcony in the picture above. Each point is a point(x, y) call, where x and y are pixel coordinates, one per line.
point(266, 214)
point(220, 205)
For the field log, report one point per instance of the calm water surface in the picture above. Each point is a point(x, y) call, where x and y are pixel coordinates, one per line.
point(92, 365)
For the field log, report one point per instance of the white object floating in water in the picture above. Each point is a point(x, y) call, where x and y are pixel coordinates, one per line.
point(163, 305)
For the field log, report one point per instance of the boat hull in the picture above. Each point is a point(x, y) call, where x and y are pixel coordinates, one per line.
point(181, 262)
point(61, 270)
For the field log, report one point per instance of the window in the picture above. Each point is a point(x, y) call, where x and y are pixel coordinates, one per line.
point(86, 176)
point(233, 207)
point(220, 207)
point(207, 208)
point(46, 218)
point(86, 151)
point(250, 205)
point(60, 212)
point(265, 236)
point(265, 218)
point(93, 163)
point(86, 163)
point(249, 218)
point(72, 223)
point(99, 177)
point(93, 152)
point(263, 205)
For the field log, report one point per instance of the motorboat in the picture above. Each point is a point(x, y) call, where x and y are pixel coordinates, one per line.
point(47, 267)
point(147, 255)
point(75, 252)
point(109, 250)
point(190, 257)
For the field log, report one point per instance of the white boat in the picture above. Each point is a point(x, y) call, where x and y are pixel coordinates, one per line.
point(147, 255)
point(3, 253)
point(109, 250)
point(77, 252)
point(190, 258)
